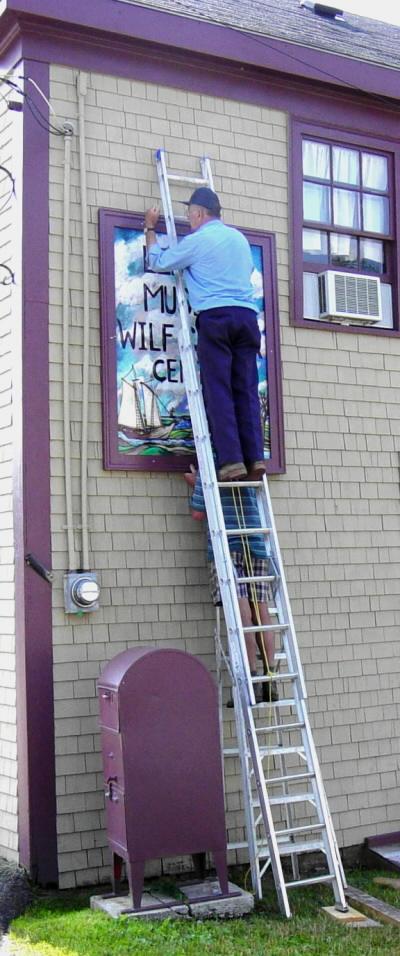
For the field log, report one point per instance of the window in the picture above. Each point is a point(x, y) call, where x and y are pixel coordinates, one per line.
point(344, 214)
point(346, 193)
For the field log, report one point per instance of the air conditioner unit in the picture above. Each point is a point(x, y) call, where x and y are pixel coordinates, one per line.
point(345, 297)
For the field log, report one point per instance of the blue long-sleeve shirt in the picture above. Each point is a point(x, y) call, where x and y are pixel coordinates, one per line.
point(217, 263)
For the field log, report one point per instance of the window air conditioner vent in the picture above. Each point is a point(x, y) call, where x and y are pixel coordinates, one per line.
point(346, 297)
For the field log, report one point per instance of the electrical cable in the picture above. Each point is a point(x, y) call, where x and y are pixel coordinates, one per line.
point(10, 278)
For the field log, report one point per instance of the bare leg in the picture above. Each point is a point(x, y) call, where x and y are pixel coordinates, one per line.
point(250, 637)
point(265, 639)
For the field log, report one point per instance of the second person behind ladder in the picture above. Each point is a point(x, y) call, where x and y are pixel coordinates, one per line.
point(217, 263)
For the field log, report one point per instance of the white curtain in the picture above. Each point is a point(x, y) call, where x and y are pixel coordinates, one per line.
point(316, 160)
point(346, 208)
point(376, 213)
point(315, 242)
point(344, 247)
point(316, 200)
point(371, 252)
point(346, 166)
point(374, 172)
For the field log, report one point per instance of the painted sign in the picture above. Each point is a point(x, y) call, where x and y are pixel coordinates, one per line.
point(151, 420)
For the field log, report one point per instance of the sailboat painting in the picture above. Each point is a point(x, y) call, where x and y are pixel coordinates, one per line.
point(139, 413)
point(152, 412)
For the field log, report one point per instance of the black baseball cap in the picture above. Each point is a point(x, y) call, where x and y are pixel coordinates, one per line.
point(203, 196)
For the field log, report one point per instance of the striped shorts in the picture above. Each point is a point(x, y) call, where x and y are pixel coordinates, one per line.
point(259, 589)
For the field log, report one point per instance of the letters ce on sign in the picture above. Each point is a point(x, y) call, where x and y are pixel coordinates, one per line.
point(146, 423)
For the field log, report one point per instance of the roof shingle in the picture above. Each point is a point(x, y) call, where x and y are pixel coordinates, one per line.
point(357, 37)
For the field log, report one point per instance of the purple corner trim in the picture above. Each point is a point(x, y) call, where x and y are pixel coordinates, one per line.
point(34, 656)
point(113, 459)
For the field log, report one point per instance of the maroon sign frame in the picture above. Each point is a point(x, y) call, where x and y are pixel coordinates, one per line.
point(113, 223)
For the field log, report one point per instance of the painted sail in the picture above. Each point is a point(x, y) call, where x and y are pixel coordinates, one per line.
point(139, 412)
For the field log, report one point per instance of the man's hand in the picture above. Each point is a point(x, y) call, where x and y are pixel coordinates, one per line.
point(151, 217)
point(190, 476)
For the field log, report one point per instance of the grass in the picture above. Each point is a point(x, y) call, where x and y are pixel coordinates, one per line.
point(62, 925)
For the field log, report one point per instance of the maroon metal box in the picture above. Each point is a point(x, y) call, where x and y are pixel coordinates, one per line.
point(162, 762)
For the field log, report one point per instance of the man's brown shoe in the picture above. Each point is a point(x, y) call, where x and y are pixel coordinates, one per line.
point(233, 471)
point(256, 471)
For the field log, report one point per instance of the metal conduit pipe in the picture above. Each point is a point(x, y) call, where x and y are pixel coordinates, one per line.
point(65, 324)
point(82, 90)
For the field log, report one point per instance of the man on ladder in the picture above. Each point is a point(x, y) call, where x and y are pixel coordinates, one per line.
point(217, 263)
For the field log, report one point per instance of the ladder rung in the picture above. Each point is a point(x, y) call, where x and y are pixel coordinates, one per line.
point(281, 751)
point(245, 532)
point(266, 627)
point(290, 778)
point(187, 179)
point(285, 849)
point(272, 728)
point(286, 798)
point(292, 798)
point(259, 577)
point(239, 484)
point(292, 831)
point(280, 656)
point(326, 878)
point(309, 846)
point(266, 678)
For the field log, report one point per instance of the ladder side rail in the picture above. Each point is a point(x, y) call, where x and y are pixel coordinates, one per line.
point(285, 788)
point(317, 784)
point(282, 598)
point(165, 194)
point(265, 807)
point(206, 170)
point(244, 757)
point(218, 663)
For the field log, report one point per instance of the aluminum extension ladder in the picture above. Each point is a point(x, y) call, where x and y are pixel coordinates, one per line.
point(294, 789)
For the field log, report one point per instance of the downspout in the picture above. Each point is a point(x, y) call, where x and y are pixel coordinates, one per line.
point(82, 90)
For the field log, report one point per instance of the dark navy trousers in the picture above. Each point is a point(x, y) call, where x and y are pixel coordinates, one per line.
point(228, 343)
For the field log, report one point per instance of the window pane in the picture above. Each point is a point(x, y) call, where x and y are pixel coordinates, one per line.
point(372, 255)
point(376, 213)
point(344, 251)
point(315, 160)
point(374, 172)
point(316, 202)
point(315, 245)
point(346, 166)
point(346, 208)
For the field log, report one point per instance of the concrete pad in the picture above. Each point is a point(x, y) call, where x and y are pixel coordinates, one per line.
point(201, 901)
point(153, 907)
point(205, 900)
point(352, 916)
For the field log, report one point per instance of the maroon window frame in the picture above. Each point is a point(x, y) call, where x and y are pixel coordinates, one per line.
point(361, 142)
point(109, 219)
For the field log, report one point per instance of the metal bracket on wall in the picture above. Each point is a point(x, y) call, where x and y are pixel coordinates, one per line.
point(40, 569)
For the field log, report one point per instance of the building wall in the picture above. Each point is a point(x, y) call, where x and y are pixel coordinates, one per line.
point(337, 507)
point(10, 123)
